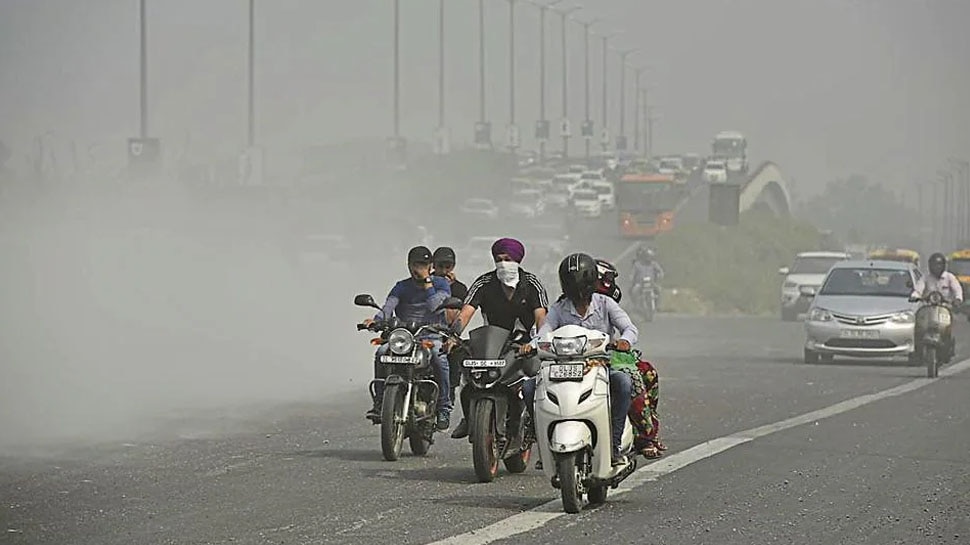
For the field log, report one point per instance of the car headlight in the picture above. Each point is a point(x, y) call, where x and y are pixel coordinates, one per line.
point(904, 317)
point(400, 341)
point(819, 315)
point(569, 346)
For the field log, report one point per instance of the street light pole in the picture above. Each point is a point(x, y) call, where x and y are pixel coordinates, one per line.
point(636, 112)
point(586, 120)
point(542, 73)
point(397, 68)
point(605, 113)
point(565, 85)
point(962, 168)
point(251, 133)
point(623, 56)
point(143, 63)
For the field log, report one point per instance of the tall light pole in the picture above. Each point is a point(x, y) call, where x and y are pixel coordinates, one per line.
point(621, 139)
point(513, 137)
point(636, 116)
point(251, 125)
point(565, 133)
point(605, 115)
point(542, 128)
point(143, 64)
point(587, 122)
point(962, 168)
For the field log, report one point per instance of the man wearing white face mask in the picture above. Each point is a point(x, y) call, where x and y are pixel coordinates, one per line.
point(508, 296)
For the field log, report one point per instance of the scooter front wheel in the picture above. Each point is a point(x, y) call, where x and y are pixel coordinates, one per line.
point(570, 486)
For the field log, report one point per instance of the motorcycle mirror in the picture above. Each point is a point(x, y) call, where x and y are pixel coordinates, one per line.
point(451, 303)
point(364, 300)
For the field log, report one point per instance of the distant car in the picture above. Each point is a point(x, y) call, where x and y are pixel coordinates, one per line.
point(603, 189)
point(715, 171)
point(480, 207)
point(586, 203)
point(528, 203)
point(671, 166)
point(807, 271)
point(519, 185)
point(862, 310)
point(593, 176)
point(692, 162)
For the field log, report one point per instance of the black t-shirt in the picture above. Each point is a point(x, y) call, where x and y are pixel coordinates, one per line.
point(459, 290)
point(488, 293)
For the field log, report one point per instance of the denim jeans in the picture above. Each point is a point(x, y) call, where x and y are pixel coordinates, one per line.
point(621, 395)
point(441, 371)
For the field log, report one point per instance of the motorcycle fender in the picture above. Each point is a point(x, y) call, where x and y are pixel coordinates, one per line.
point(570, 436)
point(394, 379)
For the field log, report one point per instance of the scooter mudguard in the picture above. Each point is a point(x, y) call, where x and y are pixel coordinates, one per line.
point(570, 436)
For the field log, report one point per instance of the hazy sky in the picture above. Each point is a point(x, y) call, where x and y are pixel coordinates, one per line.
point(823, 87)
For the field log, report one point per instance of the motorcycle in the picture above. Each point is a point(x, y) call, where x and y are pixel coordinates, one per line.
point(572, 412)
point(410, 399)
point(492, 378)
point(933, 332)
point(646, 298)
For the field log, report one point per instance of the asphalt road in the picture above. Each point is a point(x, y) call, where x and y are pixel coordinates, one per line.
point(892, 471)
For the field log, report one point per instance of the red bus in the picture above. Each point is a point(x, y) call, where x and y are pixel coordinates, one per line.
point(646, 204)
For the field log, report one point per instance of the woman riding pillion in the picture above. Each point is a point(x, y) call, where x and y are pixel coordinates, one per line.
point(643, 412)
point(581, 305)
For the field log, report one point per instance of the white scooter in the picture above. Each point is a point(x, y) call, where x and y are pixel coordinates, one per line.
point(572, 413)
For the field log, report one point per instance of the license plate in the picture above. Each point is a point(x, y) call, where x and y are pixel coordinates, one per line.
point(859, 334)
point(408, 360)
point(566, 371)
point(484, 363)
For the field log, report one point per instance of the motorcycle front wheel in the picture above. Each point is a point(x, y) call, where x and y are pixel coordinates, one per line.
point(393, 421)
point(929, 358)
point(484, 456)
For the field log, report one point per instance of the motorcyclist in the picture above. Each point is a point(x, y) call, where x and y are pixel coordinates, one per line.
point(444, 260)
point(415, 299)
point(646, 420)
point(507, 295)
point(645, 265)
point(581, 305)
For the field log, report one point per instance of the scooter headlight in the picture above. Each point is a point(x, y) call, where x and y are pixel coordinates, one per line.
point(569, 346)
point(400, 342)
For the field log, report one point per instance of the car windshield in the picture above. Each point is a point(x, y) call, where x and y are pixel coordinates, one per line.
point(960, 267)
point(601, 189)
point(715, 166)
point(591, 176)
point(585, 196)
point(813, 265)
point(866, 281)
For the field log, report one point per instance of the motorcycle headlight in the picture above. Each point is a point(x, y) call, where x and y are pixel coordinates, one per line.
point(819, 315)
point(569, 346)
point(400, 342)
point(904, 317)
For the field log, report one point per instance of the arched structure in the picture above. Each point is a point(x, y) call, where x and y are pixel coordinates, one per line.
point(767, 187)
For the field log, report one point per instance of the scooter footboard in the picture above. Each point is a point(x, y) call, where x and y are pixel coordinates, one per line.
point(570, 436)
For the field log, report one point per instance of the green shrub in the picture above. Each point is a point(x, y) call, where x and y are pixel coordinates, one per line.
point(734, 269)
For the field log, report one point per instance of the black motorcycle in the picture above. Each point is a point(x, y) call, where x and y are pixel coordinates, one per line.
point(933, 332)
point(492, 378)
point(410, 399)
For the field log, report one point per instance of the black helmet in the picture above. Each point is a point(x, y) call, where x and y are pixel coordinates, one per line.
point(937, 264)
point(444, 255)
point(419, 254)
point(577, 276)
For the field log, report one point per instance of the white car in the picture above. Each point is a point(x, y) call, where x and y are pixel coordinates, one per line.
point(715, 171)
point(593, 176)
point(671, 166)
point(808, 271)
point(480, 207)
point(587, 203)
point(603, 189)
point(528, 203)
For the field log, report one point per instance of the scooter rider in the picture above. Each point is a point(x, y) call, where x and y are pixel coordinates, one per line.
point(506, 295)
point(415, 299)
point(581, 305)
point(940, 280)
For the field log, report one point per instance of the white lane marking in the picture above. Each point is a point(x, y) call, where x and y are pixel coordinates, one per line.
point(539, 516)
